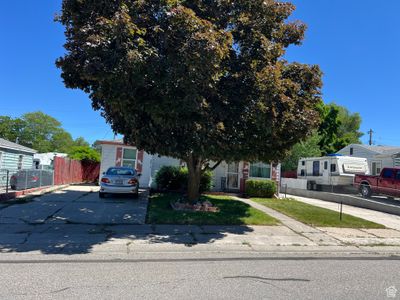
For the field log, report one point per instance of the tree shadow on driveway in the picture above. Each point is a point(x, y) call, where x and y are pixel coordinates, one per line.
point(76, 221)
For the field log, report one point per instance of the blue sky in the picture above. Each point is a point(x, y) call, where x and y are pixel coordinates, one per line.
point(356, 43)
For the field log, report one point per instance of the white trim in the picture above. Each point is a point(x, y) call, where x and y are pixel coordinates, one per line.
point(1, 159)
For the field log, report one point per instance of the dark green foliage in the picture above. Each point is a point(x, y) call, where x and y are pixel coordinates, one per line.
point(338, 129)
point(84, 153)
point(307, 148)
point(174, 178)
point(170, 178)
point(197, 80)
point(260, 188)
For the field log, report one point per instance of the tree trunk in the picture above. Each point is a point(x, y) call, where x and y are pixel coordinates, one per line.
point(194, 168)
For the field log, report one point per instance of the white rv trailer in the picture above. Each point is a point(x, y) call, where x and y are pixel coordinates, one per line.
point(334, 170)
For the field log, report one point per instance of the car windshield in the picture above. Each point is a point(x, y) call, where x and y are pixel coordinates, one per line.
point(119, 171)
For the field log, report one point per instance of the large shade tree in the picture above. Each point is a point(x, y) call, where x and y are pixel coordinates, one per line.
point(199, 80)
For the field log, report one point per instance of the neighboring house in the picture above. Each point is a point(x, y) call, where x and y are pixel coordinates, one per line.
point(390, 158)
point(14, 156)
point(45, 161)
point(227, 176)
point(378, 156)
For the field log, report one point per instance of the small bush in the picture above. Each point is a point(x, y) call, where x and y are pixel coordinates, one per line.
point(262, 188)
point(206, 181)
point(174, 178)
point(170, 178)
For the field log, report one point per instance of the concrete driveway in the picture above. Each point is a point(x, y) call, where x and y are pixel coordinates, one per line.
point(73, 217)
point(77, 205)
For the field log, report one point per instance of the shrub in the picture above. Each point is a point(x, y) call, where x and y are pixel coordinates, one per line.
point(170, 178)
point(260, 188)
point(174, 178)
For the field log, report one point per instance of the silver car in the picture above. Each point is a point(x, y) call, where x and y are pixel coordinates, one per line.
point(119, 180)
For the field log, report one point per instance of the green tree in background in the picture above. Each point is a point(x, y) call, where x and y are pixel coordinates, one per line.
point(338, 129)
point(80, 141)
point(38, 131)
point(10, 129)
point(84, 153)
point(202, 81)
point(306, 148)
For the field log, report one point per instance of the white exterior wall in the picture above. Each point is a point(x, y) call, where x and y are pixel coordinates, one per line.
point(294, 183)
point(146, 168)
point(360, 151)
point(218, 173)
point(108, 157)
point(159, 161)
point(155, 162)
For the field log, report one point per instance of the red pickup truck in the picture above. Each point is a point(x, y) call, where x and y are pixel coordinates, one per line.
point(387, 183)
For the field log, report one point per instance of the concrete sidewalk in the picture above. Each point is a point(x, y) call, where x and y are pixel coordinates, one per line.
point(331, 236)
point(76, 222)
point(388, 220)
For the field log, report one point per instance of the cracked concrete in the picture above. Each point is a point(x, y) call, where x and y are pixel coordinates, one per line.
point(75, 221)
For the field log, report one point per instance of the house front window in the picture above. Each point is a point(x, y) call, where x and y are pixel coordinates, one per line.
point(129, 158)
point(260, 170)
point(376, 168)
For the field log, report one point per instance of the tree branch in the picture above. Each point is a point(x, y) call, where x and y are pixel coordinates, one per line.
point(208, 168)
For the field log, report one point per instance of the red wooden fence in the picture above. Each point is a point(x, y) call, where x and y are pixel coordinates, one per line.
point(68, 171)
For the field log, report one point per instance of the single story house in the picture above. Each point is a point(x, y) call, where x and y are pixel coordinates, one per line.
point(14, 156)
point(227, 176)
point(390, 158)
point(378, 156)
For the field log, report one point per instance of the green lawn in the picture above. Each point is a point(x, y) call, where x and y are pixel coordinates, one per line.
point(231, 212)
point(315, 216)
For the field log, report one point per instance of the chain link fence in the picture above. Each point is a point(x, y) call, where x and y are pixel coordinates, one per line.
point(19, 180)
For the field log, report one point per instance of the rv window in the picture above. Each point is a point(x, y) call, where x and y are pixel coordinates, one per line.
point(351, 151)
point(333, 168)
point(326, 165)
point(303, 163)
point(387, 173)
point(303, 173)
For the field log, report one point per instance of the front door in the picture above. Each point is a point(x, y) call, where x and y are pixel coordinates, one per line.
point(233, 176)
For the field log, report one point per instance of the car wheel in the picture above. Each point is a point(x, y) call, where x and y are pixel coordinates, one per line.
point(365, 191)
point(101, 195)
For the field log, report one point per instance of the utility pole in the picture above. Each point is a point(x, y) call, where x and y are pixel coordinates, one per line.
point(370, 132)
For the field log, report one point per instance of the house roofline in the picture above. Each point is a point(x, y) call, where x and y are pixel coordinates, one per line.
point(6, 144)
point(118, 143)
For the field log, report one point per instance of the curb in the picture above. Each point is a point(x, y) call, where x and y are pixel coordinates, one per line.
point(30, 194)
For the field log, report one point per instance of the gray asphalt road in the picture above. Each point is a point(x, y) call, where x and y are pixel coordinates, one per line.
point(269, 278)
